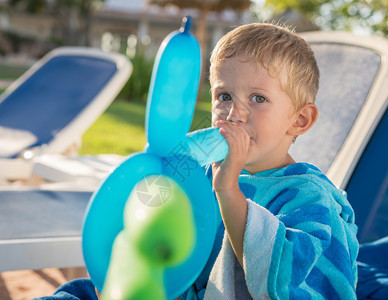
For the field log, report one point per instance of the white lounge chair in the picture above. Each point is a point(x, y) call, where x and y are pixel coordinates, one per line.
point(42, 114)
point(40, 228)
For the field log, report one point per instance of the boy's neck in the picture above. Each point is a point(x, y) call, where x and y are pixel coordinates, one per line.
point(254, 169)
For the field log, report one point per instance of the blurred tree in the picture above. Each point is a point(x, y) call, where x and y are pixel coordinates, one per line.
point(365, 15)
point(204, 6)
point(136, 88)
point(72, 17)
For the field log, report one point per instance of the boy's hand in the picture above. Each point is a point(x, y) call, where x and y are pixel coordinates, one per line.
point(226, 173)
point(233, 204)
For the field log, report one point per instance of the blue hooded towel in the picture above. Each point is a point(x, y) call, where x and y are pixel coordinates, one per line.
point(300, 241)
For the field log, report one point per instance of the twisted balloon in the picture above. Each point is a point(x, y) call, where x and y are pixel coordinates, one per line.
point(149, 228)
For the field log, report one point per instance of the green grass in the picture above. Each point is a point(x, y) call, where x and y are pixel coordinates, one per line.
point(120, 129)
point(11, 71)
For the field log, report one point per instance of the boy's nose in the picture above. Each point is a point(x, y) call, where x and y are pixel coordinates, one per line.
point(238, 113)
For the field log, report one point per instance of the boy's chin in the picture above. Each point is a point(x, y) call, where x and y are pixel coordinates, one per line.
point(250, 166)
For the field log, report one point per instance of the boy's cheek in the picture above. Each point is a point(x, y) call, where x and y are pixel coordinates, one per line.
point(218, 114)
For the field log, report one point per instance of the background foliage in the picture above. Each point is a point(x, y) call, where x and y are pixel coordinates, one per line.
point(137, 86)
point(366, 16)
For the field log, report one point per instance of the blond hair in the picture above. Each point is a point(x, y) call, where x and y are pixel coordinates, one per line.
point(283, 53)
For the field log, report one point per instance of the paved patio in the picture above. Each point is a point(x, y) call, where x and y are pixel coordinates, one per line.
point(27, 284)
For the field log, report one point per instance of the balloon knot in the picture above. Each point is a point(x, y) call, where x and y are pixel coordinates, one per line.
point(186, 25)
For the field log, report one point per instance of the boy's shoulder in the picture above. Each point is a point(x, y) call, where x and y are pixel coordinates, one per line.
point(303, 171)
point(302, 179)
point(297, 171)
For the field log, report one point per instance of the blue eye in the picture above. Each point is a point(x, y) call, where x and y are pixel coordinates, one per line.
point(258, 99)
point(224, 97)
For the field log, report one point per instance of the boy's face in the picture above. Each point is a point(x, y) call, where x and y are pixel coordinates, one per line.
point(243, 92)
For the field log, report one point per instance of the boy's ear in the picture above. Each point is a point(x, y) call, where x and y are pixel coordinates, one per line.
point(304, 119)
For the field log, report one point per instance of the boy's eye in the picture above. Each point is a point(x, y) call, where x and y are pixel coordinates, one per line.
point(224, 97)
point(258, 99)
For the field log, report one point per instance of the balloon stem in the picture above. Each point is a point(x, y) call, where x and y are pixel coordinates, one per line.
point(186, 24)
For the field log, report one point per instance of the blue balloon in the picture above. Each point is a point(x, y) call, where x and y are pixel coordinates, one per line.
point(206, 145)
point(104, 216)
point(189, 174)
point(173, 90)
point(170, 108)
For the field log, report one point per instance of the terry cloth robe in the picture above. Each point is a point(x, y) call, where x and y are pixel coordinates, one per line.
point(299, 242)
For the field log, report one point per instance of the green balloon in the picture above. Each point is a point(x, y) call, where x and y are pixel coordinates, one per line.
point(159, 220)
point(130, 276)
point(159, 232)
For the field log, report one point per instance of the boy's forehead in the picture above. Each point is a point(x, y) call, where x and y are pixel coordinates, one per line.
point(245, 75)
point(227, 63)
point(229, 67)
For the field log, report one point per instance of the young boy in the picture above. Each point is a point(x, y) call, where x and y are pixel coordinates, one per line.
point(290, 234)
